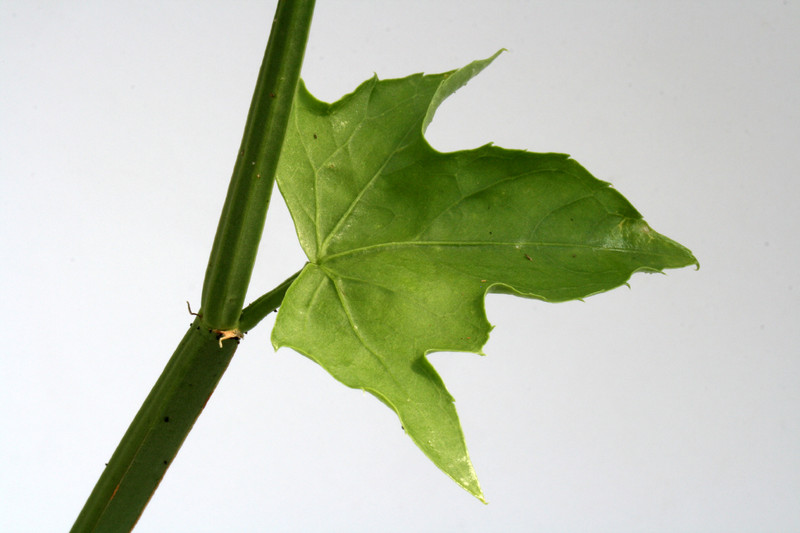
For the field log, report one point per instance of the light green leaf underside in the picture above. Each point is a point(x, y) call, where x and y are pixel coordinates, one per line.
point(404, 242)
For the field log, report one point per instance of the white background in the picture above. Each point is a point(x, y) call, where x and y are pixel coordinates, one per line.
point(670, 406)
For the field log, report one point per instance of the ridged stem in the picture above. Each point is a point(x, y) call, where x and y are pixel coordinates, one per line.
point(192, 373)
point(242, 221)
point(154, 437)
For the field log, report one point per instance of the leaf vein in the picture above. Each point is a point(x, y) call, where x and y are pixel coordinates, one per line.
point(402, 142)
point(377, 356)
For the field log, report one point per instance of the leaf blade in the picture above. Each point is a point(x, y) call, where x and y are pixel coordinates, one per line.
point(415, 391)
point(405, 242)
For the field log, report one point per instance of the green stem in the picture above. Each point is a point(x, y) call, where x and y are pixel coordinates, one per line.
point(245, 209)
point(162, 424)
point(191, 375)
point(259, 309)
point(157, 432)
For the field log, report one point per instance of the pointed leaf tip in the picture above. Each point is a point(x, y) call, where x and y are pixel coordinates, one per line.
point(454, 80)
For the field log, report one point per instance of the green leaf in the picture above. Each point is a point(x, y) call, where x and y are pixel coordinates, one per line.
point(404, 242)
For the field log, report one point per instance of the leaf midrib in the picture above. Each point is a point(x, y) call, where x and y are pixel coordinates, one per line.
point(376, 354)
point(401, 143)
point(517, 244)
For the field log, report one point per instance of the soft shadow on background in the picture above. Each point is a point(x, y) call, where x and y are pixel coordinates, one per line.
point(669, 406)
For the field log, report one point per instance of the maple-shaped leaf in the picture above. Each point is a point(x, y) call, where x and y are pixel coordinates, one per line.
point(404, 242)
